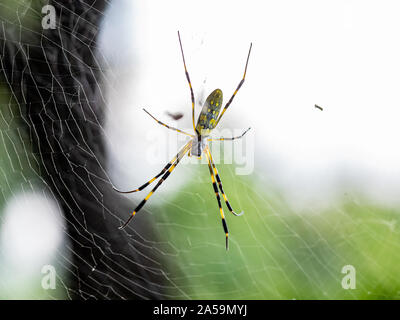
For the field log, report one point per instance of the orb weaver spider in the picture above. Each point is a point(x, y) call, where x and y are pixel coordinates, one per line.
point(197, 145)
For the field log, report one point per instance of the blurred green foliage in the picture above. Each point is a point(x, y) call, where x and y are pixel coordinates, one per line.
point(275, 252)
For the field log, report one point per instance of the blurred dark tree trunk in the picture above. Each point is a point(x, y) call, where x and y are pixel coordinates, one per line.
point(55, 79)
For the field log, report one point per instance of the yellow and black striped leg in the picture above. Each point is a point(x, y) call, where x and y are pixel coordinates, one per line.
point(163, 178)
point(157, 176)
point(167, 126)
point(188, 79)
point(230, 139)
point(219, 204)
point(211, 162)
point(237, 89)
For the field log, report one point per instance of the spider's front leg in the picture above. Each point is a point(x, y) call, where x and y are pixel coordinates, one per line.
point(167, 126)
point(237, 89)
point(189, 82)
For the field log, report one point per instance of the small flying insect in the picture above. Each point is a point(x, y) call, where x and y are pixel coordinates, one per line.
point(198, 145)
point(175, 116)
point(318, 107)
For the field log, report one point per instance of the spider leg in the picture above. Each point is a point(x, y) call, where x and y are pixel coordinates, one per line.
point(188, 79)
point(211, 162)
point(184, 149)
point(163, 178)
point(237, 89)
point(224, 225)
point(233, 138)
point(167, 126)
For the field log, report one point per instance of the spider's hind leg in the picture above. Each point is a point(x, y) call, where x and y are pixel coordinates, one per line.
point(224, 225)
point(215, 172)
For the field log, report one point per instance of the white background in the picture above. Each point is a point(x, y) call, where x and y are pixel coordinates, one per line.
point(341, 55)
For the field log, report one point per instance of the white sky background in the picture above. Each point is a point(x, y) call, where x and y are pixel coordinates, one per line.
point(341, 55)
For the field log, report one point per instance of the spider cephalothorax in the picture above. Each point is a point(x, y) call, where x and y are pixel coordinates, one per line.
point(209, 118)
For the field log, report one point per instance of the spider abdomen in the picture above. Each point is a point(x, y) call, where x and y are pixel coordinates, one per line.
point(209, 114)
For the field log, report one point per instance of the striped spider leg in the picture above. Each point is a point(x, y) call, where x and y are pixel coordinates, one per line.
point(221, 211)
point(169, 164)
point(215, 176)
point(230, 139)
point(188, 79)
point(237, 89)
point(215, 171)
point(166, 171)
point(167, 126)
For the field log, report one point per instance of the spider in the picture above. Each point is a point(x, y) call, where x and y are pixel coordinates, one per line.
point(197, 145)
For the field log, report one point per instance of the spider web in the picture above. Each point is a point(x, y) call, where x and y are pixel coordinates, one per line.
point(55, 138)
